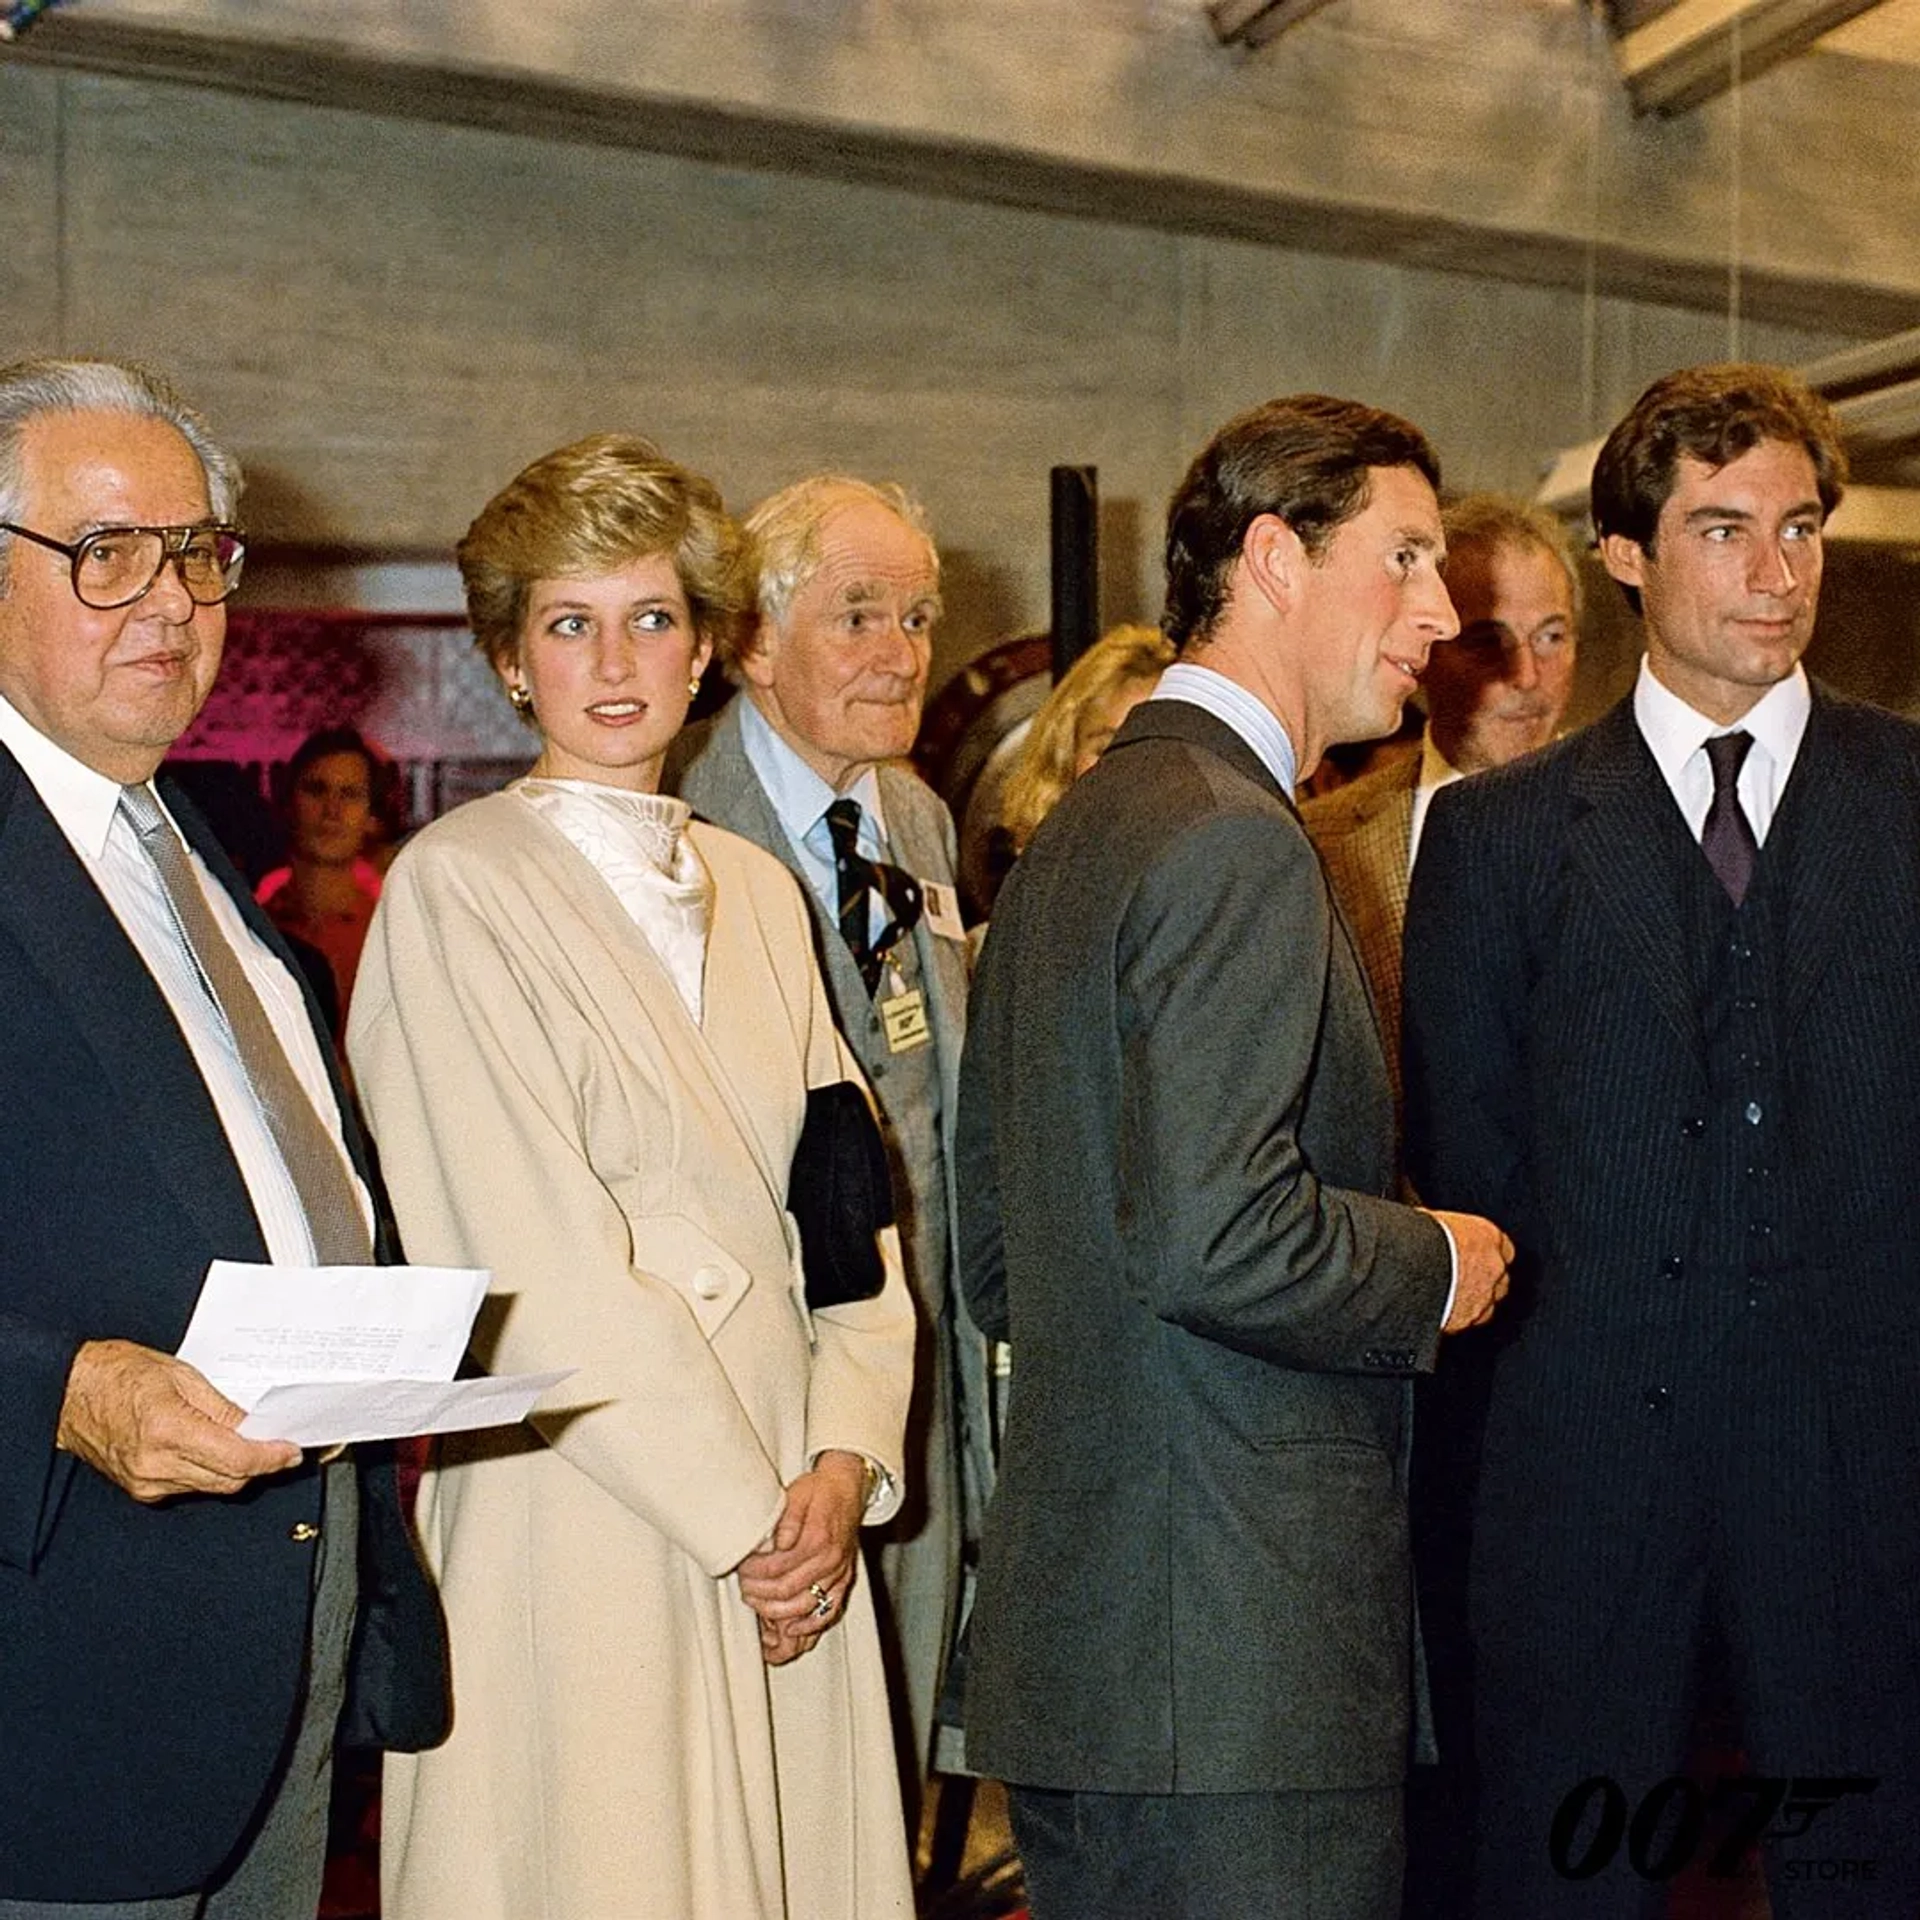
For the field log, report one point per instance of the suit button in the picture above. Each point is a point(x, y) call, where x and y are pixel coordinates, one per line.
point(1693, 1127)
point(709, 1282)
point(1657, 1398)
point(1672, 1267)
point(303, 1531)
point(1753, 1113)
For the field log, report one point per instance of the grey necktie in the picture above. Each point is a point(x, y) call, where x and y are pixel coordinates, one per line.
point(1727, 837)
point(314, 1163)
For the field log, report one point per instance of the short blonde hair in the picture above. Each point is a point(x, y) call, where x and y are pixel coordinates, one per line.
point(783, 545)
point(589, 509)
point(1059, 729)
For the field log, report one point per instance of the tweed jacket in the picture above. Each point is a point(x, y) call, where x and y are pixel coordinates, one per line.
point(1364, 834)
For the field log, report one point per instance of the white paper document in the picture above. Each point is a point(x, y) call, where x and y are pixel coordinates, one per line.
point(323, 1413)
point(322, 1355)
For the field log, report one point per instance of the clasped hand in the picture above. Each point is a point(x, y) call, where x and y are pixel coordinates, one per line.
point(799, 1581)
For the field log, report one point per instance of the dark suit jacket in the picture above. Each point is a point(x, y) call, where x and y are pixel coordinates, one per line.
point(1558, 1080)
point(1175, 1130)
point(150, 1657)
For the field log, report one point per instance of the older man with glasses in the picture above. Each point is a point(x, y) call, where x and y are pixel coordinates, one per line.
point(176, 1602)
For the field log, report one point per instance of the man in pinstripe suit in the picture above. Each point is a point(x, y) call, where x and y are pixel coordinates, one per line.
point(1661, 1020)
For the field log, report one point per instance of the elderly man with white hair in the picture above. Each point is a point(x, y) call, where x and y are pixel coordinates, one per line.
point(810, 763)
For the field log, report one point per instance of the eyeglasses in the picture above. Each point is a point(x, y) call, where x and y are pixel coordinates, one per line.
point(118, 565)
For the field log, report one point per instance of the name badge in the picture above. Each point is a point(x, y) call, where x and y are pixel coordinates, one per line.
point(943, 910)
point(905, 1020)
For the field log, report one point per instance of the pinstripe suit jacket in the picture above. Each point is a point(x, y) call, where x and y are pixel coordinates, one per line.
point(1558, 1080)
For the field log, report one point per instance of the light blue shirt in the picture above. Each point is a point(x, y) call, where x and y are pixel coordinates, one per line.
point(801, 798)
point(1231, 704)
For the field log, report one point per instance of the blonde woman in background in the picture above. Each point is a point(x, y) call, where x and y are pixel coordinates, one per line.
point(1071, 730)
point(585, 1030)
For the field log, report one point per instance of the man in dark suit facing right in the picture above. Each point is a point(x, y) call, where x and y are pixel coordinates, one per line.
point(188, 1619)
point(1193, 1634)
point(1662, 1019)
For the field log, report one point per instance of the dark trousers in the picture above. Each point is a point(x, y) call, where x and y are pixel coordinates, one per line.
point(1588, 1663)
point(278, 1873)
point(1209, 1856)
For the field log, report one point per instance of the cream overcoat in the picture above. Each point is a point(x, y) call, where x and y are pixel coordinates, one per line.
point(545, 1106)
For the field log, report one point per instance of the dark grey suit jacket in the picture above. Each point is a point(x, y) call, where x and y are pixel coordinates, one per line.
point(1175, 1132)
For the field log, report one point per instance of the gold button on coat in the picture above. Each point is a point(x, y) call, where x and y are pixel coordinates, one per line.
point(303, 1531)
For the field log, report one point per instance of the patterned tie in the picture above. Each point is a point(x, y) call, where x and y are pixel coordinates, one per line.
point(861, 878)
point(314, 1164)
point(1727, 838)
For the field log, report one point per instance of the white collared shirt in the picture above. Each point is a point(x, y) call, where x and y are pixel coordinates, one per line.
point(86, 807)
point(1676, 736)
point(800, 799)
point(1246, 713)
point(1436, 771)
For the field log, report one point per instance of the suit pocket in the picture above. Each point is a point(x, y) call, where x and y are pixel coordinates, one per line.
point(1263, 1408)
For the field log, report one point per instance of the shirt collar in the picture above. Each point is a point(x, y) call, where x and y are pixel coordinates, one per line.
point(82, 801)
point(1675, 732)
point(800, 797)
point(1230, 703)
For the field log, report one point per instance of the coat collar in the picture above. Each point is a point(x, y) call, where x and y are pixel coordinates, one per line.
point(1181, 720)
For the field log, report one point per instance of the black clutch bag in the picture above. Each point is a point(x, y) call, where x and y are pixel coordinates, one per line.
point(840, 1195)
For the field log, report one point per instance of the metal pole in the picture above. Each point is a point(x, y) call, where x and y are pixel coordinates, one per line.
point(1076, 563)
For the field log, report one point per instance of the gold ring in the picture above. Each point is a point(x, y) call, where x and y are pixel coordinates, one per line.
point(823, 1597)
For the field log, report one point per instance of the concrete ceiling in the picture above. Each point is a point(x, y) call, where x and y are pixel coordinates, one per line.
point(1890, 31)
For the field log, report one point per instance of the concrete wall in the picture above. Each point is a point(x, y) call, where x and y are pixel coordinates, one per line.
point(387, 317)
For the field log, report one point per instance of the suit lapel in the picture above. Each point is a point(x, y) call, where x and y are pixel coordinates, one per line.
point(912, 833)
point(62, 923)
point(1819, 819)
point(1622, 841)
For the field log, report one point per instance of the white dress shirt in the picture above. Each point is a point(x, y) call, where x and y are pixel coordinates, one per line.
point(86, 807)
point(1435, 772)
point(1677, 738)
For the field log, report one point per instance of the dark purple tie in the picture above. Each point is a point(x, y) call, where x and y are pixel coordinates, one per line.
point(1727, 838)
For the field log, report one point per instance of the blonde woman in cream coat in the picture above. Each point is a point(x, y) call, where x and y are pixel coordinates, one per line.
point(584, 1030)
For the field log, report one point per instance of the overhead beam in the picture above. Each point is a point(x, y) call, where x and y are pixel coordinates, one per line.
point(1687, 53)
point(1252, 23)
point(1875, 393)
